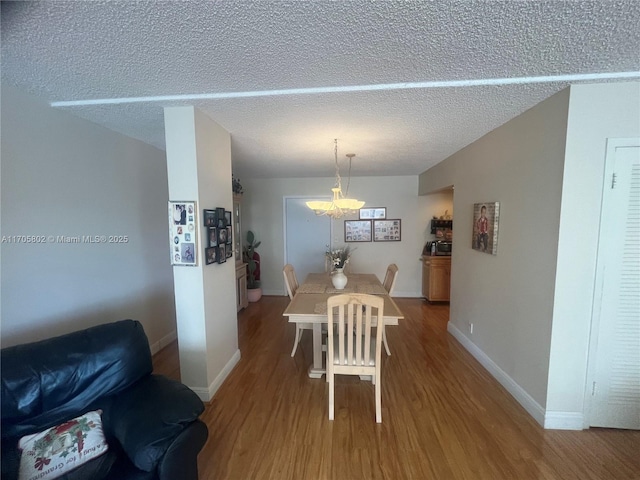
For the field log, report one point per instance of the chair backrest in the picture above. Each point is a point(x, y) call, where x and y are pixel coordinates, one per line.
point(290, 280)
point(354, 316)
point(390, 278)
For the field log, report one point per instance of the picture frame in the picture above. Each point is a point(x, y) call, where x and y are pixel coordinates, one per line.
point(387, 230)
point(357, 230)
point(221, 219)
point(229, 235)
point(213, 236)
point(227, 217)
point(486, 220)
point(373, 213)
point(209, 218)
point(211, 255)
point(229, 251)
point(183, 233)
point(222, 253)
point(222, 235)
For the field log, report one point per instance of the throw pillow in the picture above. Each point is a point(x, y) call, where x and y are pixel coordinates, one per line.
point(57, 450)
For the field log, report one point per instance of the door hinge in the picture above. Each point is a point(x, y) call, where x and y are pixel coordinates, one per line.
point(593, 389)
point(613, 181)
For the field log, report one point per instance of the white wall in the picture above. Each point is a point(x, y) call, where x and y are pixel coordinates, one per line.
point(262, 206)
point(62, 175)
point(596, 112)
point(509, 297)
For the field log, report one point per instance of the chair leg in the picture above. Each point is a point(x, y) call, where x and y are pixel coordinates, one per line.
point(384, 340)
point(378, 399)
point(331, 393)
point(296, 341)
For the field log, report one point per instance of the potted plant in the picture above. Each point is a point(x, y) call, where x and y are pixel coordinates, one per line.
point(252, 258)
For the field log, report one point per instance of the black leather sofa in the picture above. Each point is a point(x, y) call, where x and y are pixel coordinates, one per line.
point(150, 422)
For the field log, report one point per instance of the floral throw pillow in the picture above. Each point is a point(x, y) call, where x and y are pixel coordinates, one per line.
point(54, 452)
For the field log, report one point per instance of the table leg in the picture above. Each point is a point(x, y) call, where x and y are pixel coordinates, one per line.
point(317, 369)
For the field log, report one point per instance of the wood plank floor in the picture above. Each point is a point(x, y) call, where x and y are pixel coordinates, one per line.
point(443, 415)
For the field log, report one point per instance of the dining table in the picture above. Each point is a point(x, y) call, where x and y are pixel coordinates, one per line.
point(309, 306)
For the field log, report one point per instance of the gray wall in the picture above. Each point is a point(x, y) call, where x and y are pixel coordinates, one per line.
point(509, 297)
point(64, 176)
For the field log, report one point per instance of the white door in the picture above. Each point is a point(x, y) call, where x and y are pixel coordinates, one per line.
point(615, 399)
point(306, 236)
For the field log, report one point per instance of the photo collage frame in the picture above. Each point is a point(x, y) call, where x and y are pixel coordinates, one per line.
point(183, 234)
point(219, 235)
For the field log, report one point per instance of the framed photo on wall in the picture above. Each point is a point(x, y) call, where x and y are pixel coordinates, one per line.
point(183, 235)
point(210, 255)
point(222, 253)
point(373, 213)
point(209, 218)
point(387, 230)
point(357, 230)
point(486, 218)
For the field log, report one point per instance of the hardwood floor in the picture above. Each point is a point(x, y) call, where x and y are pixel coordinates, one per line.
point(443, 415)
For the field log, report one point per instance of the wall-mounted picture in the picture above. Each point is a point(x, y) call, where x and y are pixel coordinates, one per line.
point(357, 230)
point(222, 253)
point(213, 237)
point(229, 251)
point(486, 217)
point(209, 218)
point(227, 217)
point(373, 213)
point(222, 235)
point(221, 219)
point(182, 233)
point(229, 241)
point(211, 255)
point(387, 230)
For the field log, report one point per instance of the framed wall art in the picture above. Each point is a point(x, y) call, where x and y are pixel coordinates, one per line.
point(211, 255)
point(486, 218)
point(209, 218)
point(387, 230)
point(357, 230)
point(183, 233)
point(222, 252)
point(373, 213)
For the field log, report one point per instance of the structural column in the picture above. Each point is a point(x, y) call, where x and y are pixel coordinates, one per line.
point(199, 169)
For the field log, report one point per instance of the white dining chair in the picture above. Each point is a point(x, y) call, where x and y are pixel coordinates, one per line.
point(291, 282)
point(351, 348)
point(389, 284)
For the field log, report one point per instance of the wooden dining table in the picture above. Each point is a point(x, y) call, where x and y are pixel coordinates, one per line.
point(309, 306)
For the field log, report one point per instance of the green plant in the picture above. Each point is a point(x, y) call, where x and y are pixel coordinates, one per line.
point(252, 258)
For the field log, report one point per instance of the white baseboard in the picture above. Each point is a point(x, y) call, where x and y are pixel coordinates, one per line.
point(522, 397)
point(564, 421)
point(281, 293)
point(206, 394)
point(163, 342)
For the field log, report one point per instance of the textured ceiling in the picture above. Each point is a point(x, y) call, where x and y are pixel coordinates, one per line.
point(65, 51)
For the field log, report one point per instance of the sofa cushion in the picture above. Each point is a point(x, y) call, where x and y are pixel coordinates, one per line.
point(47, 382)
point(53, 452)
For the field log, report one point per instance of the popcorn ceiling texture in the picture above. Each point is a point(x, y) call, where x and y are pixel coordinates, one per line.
point(87, 50)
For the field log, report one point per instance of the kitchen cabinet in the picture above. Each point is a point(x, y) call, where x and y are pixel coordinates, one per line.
point(436, 278)
point(242, 300)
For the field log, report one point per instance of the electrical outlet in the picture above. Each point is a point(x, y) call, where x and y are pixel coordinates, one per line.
point(471, 328)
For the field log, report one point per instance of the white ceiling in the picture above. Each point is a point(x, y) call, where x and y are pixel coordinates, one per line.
point(70, 51)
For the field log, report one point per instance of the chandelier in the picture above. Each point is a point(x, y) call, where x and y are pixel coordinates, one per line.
point(340, 205)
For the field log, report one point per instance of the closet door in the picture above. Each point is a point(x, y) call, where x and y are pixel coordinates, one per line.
point(616, 387)
point(306, 236)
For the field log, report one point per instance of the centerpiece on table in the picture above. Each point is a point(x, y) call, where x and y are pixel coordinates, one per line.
point(338, 259)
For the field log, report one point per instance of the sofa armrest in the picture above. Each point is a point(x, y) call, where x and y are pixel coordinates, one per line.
point(147, 418)
point(181, 458)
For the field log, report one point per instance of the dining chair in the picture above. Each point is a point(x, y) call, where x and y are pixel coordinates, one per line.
point(389, 284)
point(352, 350)
point(291, 281)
